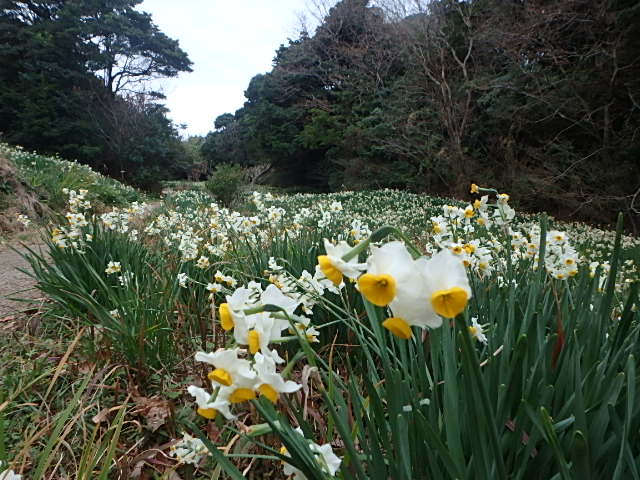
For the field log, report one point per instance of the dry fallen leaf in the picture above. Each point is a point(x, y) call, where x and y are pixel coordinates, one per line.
point(155, 411)
point(157, 415)
point(101, 416)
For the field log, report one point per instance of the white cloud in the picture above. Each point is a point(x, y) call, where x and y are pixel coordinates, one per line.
point(228, 41)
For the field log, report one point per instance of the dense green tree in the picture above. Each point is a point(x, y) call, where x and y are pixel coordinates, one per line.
point(126, 49)
point(227, 144)
point(72, 76)
point(540, 97)
point(224, 121)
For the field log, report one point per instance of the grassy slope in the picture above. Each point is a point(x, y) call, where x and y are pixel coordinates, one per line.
point(33, 185)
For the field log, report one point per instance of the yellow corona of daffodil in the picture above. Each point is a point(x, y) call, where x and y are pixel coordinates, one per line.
point(270, 383)
point(475, 188)
point(205, 406)
point(226, 319)
point(449, 302)
point(240, 395)
point(269, 392)
point(330, 270)
point(220, 375)
point(378, 289)
point(399, 327)
point(208, 413)
point(254, 341)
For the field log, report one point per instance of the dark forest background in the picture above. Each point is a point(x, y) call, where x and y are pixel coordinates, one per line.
point(540, 98)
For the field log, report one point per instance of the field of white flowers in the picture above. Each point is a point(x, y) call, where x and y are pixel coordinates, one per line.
point(355, 335)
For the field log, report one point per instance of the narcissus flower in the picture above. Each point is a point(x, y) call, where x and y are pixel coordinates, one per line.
point(418, 292)
point(241, 390)
point(469, 212)
point(477, 331)
point(263, 330)
point(232, 311)
point(113, 267)
point(328, 462)
point(474, 188)
point(334, 267)
point(504, 213)
point(240, 393)
point(389, 267)
point(206, 408)
point(203, 262)
point(258, 330)
point(272, 295)
point(411, 305)
point(447, 284)
point(228, 365)
point(270, 383)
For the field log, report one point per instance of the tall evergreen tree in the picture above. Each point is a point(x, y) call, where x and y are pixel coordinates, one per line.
point(69, 67)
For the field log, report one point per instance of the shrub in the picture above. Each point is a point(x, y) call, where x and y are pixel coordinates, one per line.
point(226, 182)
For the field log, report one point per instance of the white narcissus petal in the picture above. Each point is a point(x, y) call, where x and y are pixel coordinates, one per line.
point(272, 295)
point(266, 368)
point(331, 460)
point(222, 403)
point(201, 395)
point(227, 359)
point(335, 253)
point(444, 271)
point(415, 308)
point(393, 259)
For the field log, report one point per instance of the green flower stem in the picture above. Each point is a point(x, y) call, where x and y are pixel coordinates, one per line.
point(379, 235)
point(259, 430)
point(542, 248)
point(304, 343)
point(287, 370)
point(259, 309)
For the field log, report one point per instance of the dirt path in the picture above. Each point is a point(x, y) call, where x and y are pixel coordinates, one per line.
point(14, 283)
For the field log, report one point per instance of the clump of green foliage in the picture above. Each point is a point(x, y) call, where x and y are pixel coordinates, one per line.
point(226, 182)
point(133, 307)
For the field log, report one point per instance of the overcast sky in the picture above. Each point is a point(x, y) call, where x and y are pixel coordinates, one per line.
point(228, 41)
